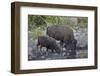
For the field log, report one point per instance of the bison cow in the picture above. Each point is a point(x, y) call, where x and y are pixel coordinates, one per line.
point(64, 34)
point(49, 43)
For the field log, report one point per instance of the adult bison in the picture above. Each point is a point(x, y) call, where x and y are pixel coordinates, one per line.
point(65, 35)
point(49, 43)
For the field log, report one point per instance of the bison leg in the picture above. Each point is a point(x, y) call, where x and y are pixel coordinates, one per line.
point(61, 44)
point(73, 54)
point(41, 50)
point(73, 48)
point(46, 52)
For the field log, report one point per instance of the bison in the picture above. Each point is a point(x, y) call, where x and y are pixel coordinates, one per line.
point(64, 34)
point(49, 43)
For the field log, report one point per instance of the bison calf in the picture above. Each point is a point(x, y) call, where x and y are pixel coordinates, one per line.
point(49, 43)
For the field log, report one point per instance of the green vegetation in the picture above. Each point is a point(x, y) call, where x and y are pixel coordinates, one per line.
point(37, 24)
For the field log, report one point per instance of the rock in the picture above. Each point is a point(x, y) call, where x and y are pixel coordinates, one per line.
point(82, 37)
